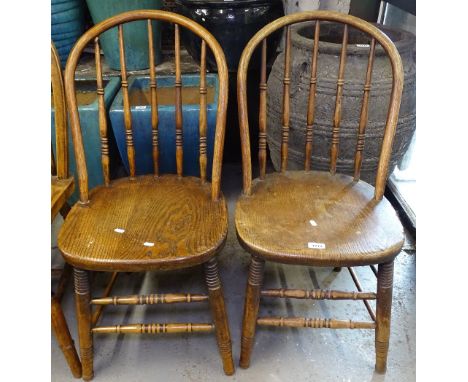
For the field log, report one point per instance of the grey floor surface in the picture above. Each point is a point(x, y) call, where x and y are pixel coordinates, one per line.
point(280, 354)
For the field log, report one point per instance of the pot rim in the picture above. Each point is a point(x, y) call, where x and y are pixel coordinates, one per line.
point(226, 3)
point(405, 43)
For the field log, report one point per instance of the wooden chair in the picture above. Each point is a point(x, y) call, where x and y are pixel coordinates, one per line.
point(151, 222)
point(318, 218)
point(62, 186)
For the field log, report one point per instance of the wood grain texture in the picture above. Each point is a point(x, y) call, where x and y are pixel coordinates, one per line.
point(61, 190)
point(317, 323)
point(262, 114)
point(178, 104)
point(168, 223)
point(351, 21)
point(150, 299)
point(274, 222)
point(318, 294)
point(154, 328)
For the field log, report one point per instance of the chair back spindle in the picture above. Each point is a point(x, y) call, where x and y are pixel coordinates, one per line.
point(208, 42)
point(126, 105)
point(60, 164)
point(338, 103)
point(311, 103)
point(202, 118)
point(262, 118)
point(364, 113)
point(286, 86)
point(376, 37)
point(178, 104)
point(154, 101)
point(102, 114)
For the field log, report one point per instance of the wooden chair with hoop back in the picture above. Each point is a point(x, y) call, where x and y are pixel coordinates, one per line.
point(62, 186)
point(318, 218)
point(150, 222)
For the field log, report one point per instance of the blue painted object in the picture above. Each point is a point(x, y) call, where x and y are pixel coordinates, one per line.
point(141, 123)
point(67, 25)
point(135, 33)
point(89, 122)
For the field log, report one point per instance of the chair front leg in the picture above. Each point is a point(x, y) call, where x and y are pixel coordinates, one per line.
point(83, 315)
point(251, 305)
point(218, 311)
point(383, 315)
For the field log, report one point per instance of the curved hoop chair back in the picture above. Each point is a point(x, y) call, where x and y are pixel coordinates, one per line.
point(377, 37)
point(208, 41)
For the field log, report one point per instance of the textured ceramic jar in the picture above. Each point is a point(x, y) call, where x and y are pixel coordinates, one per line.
point(355, 70)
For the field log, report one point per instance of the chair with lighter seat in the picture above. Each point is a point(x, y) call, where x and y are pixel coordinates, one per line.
point(148, 222)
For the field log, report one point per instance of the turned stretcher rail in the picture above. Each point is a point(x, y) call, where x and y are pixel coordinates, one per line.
point(317, 323)
point(151, 299)
point(318, 294)
point(154, 328)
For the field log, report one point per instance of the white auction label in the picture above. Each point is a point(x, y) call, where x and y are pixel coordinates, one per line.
point(313, 245)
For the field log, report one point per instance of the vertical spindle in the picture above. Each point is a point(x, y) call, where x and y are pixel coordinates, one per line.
point(102, 114)
point(364, 113)
point(202, 119)
point(154, 101)
point(178, 103)
point(262, 118)
point(286, 84)
point(338, 101)
point(126, 104)
point(311, 103)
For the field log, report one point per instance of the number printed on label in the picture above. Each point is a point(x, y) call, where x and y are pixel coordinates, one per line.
point(313, 245)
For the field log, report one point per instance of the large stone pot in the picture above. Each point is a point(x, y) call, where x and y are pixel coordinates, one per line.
point(232, 23)
point(327, 72)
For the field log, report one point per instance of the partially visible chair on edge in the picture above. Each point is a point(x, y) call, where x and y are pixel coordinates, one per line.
point(62, 186)
point(318, 218)
point(154, 221)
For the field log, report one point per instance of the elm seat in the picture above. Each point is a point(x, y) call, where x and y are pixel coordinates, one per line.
point(144, 224)
point(354, 227)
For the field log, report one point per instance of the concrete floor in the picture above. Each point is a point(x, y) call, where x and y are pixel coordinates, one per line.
point(280, 354)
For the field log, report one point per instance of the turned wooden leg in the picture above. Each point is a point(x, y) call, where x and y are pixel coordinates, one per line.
point(383, 315)
point(252, 301)
point(218, 311)
point(64, 339)
point(83, 315)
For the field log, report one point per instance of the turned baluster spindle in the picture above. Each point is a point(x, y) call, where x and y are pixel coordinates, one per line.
point(339, 92)
point(154, 101)
point(126, 104)
point(286, 85)
point(178, 103)
point(311, 103)
point(364, 113)
point(202, 119)
point(262, 118)
point(102, 114)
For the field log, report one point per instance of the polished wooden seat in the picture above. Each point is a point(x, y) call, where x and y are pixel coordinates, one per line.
point(289, 212)
point(146, 223)
point(62, 186)
point(312, 217)
point(155, 221)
